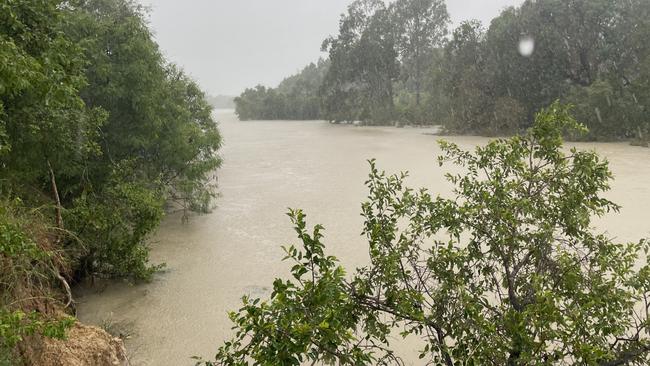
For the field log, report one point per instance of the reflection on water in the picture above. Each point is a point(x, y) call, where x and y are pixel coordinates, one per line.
point(269, 166)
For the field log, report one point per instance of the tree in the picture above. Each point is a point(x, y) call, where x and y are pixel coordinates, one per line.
point(97, 134)
point(359, 83)
point(507, 272)
point(158, 145)
point(466, 79)
point(296, 98)
point(615, 104)
point(44, 125)
point(421, 26)
point(586, 53)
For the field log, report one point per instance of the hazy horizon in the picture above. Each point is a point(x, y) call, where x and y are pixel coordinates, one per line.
point(258, 41)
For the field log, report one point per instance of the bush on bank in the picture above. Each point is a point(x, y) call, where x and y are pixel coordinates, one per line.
point(98, 135)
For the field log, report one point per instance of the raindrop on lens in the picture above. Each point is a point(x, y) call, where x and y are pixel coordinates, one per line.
point(526, 46)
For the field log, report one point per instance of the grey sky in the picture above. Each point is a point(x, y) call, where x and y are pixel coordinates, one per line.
point(228, 45)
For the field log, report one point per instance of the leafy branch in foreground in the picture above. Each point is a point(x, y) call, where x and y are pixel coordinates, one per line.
point(508, 272)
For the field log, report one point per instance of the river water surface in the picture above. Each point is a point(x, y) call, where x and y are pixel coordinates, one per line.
point(269, 166)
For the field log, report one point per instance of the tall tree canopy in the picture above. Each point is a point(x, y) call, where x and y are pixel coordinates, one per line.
point(43, 121)
point(98, 135)
point(583, 54)
point(401, 64)
point(359, 83)
point(421, 26)
point(96, 124)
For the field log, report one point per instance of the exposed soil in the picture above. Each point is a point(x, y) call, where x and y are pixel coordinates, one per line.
point(85, 346)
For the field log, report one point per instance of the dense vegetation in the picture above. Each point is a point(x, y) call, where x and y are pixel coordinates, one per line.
point(402, 63)
point(98, 134)
point(296, 98)
point(508, 271)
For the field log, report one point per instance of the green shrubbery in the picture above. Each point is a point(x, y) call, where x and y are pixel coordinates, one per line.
point(100, 133)
point(28, 272)
point(96, 121)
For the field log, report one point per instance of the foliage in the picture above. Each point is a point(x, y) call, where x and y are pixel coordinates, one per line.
point(42, 118)
point(464, 80)
point(159, 120)
point(98, 133)
point(158, 144)
point(113, 244)
point(421, 26)
point(296, 98)
point(354, 84)
point(308, 318)
point(359, 83)
point(401, 63)
point(26, 273)
point(507, 272)
point(587, 53)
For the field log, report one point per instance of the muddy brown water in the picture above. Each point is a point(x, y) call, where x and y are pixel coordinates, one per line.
point(269, 166)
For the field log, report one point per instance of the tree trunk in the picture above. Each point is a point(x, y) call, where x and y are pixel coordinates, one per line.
point(55, 191)
point(59, 225)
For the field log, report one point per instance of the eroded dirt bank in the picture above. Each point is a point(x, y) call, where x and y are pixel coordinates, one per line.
point(85, 346)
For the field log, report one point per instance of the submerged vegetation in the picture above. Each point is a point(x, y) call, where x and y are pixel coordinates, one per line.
point(402, 63)
point(508, 271)
point(98, 133)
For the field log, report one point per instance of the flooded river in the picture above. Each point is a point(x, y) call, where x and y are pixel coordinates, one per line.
point(269, 166)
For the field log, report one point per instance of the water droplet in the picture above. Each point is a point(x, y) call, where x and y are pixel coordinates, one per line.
point(526, 46)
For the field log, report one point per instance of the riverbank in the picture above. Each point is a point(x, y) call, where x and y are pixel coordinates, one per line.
point(37, 323)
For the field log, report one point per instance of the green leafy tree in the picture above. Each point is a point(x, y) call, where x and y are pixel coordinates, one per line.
point(158, 146)
point(46, 134)
point(466, 80)
point(44, 125)
point(421, 26)
point(507, 272)
point(359, 83)
point(97, 134)
point(615, 104)
point(588, 53)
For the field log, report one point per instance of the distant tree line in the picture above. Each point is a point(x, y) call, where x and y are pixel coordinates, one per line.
point(296, 98)
point(402, 63)
point(98, 135)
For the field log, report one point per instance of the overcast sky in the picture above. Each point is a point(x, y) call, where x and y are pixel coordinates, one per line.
point(228, 45)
